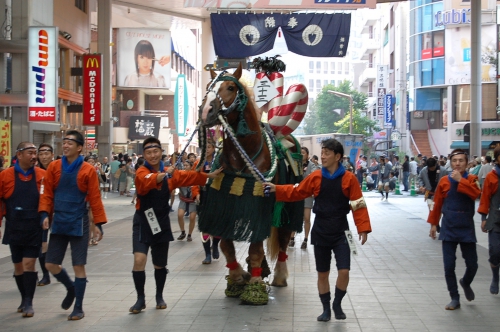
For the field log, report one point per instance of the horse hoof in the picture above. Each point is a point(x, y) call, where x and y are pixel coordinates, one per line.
point(279, 283)
point(233, 289)
point(255, 294)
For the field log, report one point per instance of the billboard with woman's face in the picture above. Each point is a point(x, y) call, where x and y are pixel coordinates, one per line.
point(143, 58)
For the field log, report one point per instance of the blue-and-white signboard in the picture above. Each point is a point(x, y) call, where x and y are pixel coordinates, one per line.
point(388, 111)
point(181, 105)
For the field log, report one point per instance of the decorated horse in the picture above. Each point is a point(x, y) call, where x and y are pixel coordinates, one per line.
point(237, 207)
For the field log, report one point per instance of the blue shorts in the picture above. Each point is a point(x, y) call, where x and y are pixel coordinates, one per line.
point(20, 252)
point(494, 248)
point(159, 251)
point(59, 243)
point(323, 257)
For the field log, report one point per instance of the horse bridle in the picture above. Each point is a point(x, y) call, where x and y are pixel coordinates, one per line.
point(239, 103)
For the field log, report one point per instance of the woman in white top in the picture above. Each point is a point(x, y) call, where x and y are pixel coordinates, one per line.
point(144, 56)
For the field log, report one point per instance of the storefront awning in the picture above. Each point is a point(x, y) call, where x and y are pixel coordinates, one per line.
point(465, 145)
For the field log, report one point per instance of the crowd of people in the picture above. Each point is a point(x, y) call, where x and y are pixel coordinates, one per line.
point(51, 202)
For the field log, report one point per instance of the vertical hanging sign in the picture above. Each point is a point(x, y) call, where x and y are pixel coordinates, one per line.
point(42, 73)
point(388, 111)
point(92, 89)
point(5, 142)
point(181, 105)
point(381, 90)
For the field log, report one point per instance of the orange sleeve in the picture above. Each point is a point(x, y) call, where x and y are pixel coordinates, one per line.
point(470, 187)
point(195, 191)
point(439, 195)
point(145, 180)
point(87, 180)
point(186, 178)
point(351, 189)
point(50, 182)
point(490, 187)
point(306, 188)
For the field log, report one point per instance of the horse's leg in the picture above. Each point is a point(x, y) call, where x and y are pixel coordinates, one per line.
point(281, 270)
point(236, 273)
point(256, 254)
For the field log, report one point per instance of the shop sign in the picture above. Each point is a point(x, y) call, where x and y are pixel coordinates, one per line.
point(5, 142)
point(42, 77)
point(484, 132)
point(92, 89)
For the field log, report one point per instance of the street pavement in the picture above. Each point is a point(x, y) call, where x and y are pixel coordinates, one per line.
point(397, 284)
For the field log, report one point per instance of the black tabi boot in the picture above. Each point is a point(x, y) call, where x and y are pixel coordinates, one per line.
point(494, 281)
point(208, 258)
point(215, 248)
point(20, 286)
point(139, 282)
point(64, 278)
point(30, 279)
point(336, 306)
point(160, 278)
point(80, 286)
point(327, 313)
point(46, 276)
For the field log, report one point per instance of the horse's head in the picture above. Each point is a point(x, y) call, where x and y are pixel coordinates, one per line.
point(225, 95)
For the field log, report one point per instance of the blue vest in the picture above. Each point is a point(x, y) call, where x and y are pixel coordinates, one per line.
point(70, 208)
point(23, 223)
point(158, 200)
point(331, 207)
point(458, 217)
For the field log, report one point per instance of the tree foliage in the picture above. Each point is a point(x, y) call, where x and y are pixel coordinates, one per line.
point(324, 115)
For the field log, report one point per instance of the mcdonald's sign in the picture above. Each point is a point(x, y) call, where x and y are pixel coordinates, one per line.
point(92, 89)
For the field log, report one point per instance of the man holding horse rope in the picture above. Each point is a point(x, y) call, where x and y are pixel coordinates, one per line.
point(332, 188)
point(151, 225)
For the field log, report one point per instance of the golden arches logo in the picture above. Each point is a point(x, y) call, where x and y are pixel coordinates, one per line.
point(94, 62)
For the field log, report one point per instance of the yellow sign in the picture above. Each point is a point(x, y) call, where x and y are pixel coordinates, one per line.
point(5, 142)
point(94, 62)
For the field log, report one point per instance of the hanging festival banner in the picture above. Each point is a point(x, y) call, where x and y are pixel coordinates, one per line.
point(5, 142)
point(314, 35)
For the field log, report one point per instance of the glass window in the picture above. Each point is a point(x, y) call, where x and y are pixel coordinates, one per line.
point(428, 99)
point(325, 67)
point(325, 82)
point(340, 68)
point(311, 67)
point(318, 67)
point(386, 36)
point(318, 86)
point(311, 85)
point(427, 18)
point(332, 67)
point(462, 103)
point(332, 82)
point(82, 5)
point(426, 74)
point(438, 71)
point(346, 69)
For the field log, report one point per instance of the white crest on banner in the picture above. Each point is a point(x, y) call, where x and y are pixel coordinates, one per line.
point(264, 91)
point(249, 31)
point(314, 30)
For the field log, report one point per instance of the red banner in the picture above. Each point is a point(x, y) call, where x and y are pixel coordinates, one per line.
point(92, 89)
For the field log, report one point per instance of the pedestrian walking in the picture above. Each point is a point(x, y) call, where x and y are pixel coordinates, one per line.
point(45, 157)
point(333, 188)
point(454, 199)
point(151, 224)
point(384, 170)
point(68, 185)
point(490, 217)
point(19, 192)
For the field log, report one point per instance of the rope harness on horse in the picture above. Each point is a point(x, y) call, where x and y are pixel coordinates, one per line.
point(239, 103)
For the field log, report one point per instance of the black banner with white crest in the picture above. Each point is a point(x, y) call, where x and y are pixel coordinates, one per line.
point(314, 35)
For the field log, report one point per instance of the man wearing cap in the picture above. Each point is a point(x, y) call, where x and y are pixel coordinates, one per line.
point(69, 184)
point(19, 194)
point(383, 177)
point(454, 198)
point(151, 224)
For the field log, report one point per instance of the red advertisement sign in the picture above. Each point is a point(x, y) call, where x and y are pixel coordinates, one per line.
point(92, 89)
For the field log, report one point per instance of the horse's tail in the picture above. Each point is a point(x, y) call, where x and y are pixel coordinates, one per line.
point(273, 245)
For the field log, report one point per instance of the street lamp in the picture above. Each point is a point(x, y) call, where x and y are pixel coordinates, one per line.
point(340, 94)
